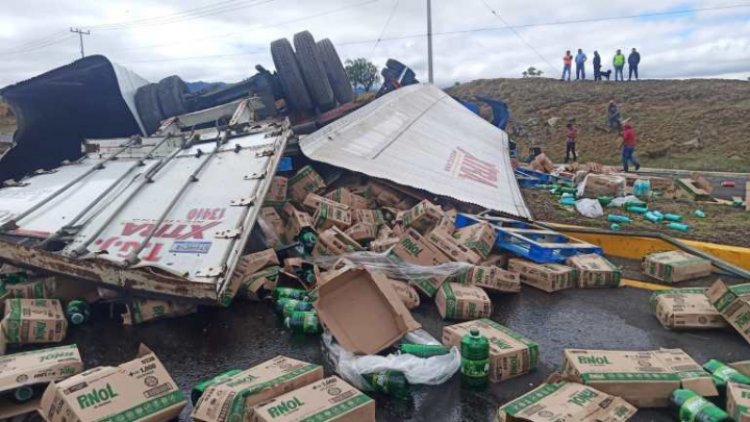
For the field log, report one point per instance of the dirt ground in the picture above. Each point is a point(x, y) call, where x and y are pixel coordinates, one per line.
point(671, 118)
point(723, 223)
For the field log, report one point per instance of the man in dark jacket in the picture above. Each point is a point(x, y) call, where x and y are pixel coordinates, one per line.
point(597, 66)
point(633, 60)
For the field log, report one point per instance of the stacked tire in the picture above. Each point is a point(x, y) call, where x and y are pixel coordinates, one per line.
point(159, 101)
point(311, 74)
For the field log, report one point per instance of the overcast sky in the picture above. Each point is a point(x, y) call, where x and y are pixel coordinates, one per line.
point(222, 40)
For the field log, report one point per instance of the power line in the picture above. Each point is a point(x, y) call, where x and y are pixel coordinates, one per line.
point(385, 26)
point(80, 37)
point(37, 46)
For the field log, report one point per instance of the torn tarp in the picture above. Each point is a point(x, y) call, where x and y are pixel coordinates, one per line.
point(420, 137)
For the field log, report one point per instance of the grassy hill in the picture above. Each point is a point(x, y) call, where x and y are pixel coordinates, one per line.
point(690, 124)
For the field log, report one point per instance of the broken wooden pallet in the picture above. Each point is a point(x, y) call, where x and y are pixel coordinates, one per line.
point(689, 186)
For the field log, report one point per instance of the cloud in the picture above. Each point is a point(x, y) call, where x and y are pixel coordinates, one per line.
point(189, 39)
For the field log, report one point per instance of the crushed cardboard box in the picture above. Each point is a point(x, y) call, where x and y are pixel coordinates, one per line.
point(305, 181)
point(247, 267)
point(449, 246)
point(679, 309)
point(141, 310)
point(595, 271)
point(346, 197)
point(384, 195)
point(495, 260)
point(566, 401)
point(36, 368)
point(362, 232)
point(413, 248)
point(738, 402)
point(351, 299)
point(264, 280)
point(272, 226)
point(462, 302)
point(233, 398)
point(335, 242)
point(675, 266)
point(642, 378)
point(296, 221)
point(35, 288)
point(330, 400)
point(327, 216)
point(30, 321)
point(478, 237)
point(491, 278)
point(137, 390)
point(547, 277)
point(277, 189)
point(312, 202)
point(596, 185)
point(407, 293)
point(733, 303)
point(511, 354)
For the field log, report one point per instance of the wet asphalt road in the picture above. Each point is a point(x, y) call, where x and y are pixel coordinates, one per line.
point(216, 340)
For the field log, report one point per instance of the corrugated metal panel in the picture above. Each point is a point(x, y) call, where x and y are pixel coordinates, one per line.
point(419, 136)
point(161, 216)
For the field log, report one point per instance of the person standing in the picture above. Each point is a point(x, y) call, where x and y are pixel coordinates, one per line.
point(633, 60)
point(570, 141)
point(567, 61)
point(628, 146)
point(581, 65)
point(597, 66)
point(613, 116)
point(619, 62)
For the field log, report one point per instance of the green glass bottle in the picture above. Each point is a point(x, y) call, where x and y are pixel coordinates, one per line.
point(289, 293)
point(203, 385)
point(724, 374)
point(303, 322)
point(390, 382)
point(424, 350)
point(691, 407)
point(293, 305)
point(475, 359)
point(78, 311)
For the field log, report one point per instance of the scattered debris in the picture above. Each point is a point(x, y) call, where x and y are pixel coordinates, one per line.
point(733, 303)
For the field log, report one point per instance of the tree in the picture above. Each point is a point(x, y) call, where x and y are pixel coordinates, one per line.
point(532, 72)
point(362, 72)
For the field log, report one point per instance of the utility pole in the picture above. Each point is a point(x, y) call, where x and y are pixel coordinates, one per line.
point(430, 76)
point(80, 37)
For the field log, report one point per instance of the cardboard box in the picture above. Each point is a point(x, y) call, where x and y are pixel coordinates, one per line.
point(422, 217)
point(312, 201)
point(462, 302)
point(680, 309)
point(566, 401)
point(138, 390)
point(296, 221)
point(675, 266)
point(247, 266)
point(335, 242)
point(35, 368)
point(305, 181)
point(595, 271)
point(742, 366)
point(330, 400)
point(345, 196)
point(351, 300)
point(141, 310)
point(383, 245)
point(642, 378)
point(405, 292)
point(277, 190)
point(547, 277)
point(738, 401)
point(412, 248)
point(450, 247)
point(254, 285)
point(595, 185)
point(478, 237)
point(491, 278)
point(30, 321)
point(733, 303)
point(327, 216)
point(232, 399)
point(272, 226)
point(362, 232)
point(384, 195)
point(511, 354)
point(495, 260)
point(374, 217)
point(37, 288)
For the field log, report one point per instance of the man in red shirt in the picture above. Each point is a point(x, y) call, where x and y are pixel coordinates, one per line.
point(628, 146)
point(567, 61)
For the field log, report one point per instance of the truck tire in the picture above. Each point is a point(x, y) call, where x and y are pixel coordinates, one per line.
point(342, 88)
point(313, 71)
point(147, 104)
point(295, 93)
point(172, 92)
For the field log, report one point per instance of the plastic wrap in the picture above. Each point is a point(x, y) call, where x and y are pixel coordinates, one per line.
point(430, 371)
point(392, 268)
point(589, 208)
point(624, 200)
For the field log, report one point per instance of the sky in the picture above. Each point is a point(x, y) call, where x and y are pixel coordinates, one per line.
point(222, 40)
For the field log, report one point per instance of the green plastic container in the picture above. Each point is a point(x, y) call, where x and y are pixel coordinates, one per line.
point(390, 382)
point(679, 226)
point(724, 373)
point(650, 216)
point(203, 385)
point(424, 350)
point(23, 394)
point(699, 214)
point(78, 312)
point(614, 218)
point(689, 406)
point(475, 359)
point(673, 217)
point(303, 322)
point(614, 226)
point(294, 305)
point(638, 209)
point(308, 238)
point(290, 293)
point(604, 200)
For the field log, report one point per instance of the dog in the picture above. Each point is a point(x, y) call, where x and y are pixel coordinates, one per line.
point(606, 74)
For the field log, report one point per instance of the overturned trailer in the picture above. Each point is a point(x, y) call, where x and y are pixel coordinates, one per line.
point(161, 215)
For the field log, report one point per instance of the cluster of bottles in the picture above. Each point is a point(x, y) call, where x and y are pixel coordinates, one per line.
point(296, 310)
point(691, 406)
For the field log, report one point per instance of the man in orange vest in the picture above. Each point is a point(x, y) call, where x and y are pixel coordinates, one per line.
point(567, 62)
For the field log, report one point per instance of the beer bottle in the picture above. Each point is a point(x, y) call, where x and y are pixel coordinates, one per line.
point(475, 359)
point(691, 407)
